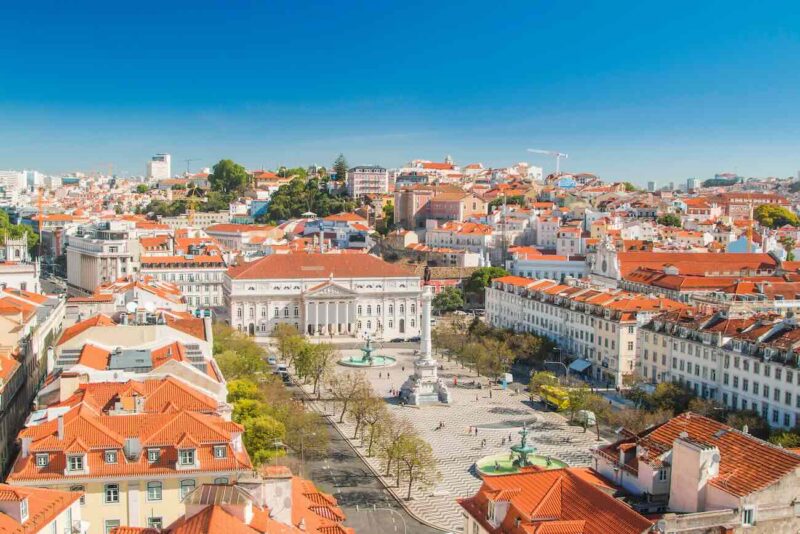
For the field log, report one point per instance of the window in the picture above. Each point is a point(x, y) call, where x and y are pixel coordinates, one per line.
point(81, 490)
point(155, 522)
point(153, 455)
point(187, 486)
point(23, 510)
point(187, 457)
point(75, 463)
point(111, 524)
point(359, 309)
point(630, 345)
point(220, 451)
point(154, 490)
point(221, 480)
point(662, 474)
point(111, 493)
point(42, 460)
point(748, 515)
point(110, 457)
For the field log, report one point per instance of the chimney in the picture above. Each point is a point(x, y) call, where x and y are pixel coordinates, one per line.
point(60, 427)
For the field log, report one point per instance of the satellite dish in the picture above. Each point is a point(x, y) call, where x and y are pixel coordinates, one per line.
point(149, 307)
point(131, 306)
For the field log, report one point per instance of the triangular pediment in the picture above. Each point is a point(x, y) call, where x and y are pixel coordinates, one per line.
point(330, 289)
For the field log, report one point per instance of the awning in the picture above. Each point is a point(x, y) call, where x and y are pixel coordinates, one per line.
point(580, 366)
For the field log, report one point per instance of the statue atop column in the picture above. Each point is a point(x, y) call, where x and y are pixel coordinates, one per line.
point(424, 386)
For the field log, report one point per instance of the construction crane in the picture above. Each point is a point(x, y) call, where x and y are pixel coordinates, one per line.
point(189, 162)
point(557, 155)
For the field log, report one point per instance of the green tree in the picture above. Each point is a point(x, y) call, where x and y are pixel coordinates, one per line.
point(670, 219)
point(228, 177)
point(263, 438)
point(340, 168)
point(390, 443)
point(773, 216)
point(344, 387)
point(244, 409)
point(142, 188)
point(499, 357)
point(786, 439)
point(419, 463)
point(242, 389)
point(315, 362)
point(480, 279)
point(449, 299)
point(756, 425)
point(518, 200)
point(235, 365)
point(629, 187)
point(578, 400)
point(789, 245)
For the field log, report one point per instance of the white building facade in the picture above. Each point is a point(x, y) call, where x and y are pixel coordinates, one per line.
point(367, 180)
point(325, 295)
point(159, 167)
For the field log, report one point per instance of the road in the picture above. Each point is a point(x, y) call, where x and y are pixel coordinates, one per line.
point(345, 476)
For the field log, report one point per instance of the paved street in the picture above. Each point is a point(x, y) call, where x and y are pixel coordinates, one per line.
point(369, 507)
point(497, 417)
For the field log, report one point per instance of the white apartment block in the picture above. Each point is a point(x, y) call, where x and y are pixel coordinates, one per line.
point(101, 253)
point(159, 167)
point(367, 180)
point(199, 277)
point(595, 325)
point(325, 295)
point(749, 362)
point(469, 236)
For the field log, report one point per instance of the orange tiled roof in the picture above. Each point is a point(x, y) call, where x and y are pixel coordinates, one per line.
point(315, 266)
point(78, 328)
point(44, 505)
point(553, 502)
point(86, 429)
point(747, 464)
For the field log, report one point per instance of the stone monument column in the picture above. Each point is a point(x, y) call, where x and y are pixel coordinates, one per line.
point(425, 327)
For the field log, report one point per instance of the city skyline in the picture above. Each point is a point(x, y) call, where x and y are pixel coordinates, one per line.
point(707, 89)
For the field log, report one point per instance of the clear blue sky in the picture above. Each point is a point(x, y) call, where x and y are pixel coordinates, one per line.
point(631, 90)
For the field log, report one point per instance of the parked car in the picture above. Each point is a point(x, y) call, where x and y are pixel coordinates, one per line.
point(272, 360)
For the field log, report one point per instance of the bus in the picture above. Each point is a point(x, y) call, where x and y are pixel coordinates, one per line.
point(556, 397)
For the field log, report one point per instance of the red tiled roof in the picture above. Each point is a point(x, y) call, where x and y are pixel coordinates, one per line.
point(44, 505)
point(555, 501)
point(78, 328)
point(747, 464)
point(317, 266)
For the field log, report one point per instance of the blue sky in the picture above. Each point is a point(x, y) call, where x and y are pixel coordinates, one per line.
point(631, 90)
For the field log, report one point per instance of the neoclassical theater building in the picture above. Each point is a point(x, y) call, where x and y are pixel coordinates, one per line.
point(326, 295)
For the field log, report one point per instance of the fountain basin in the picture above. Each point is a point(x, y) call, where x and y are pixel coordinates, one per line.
point(375, 361)
point(505, 464)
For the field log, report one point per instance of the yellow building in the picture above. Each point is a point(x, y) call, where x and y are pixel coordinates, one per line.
point(134, 467)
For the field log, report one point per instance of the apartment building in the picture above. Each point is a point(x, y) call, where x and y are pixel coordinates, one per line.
point(28, 324)
point(198, 276)
point(532, 263)
point(367, 180)
point(144, 291)
point(594, 326)
point(40, 511)
point(134, 469)
point(415, 205)
point(746, 362)
point(101, 253)
point(469, 236)
point(707, 476)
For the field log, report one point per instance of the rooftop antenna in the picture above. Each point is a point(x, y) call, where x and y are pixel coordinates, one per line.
point(188, 163)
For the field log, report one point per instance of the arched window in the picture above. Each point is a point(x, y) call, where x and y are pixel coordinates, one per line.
point(296, 311)
point(358, 326)
point(264, 311)
point(187, 486)
point(239, 312)
point(275, 312)
point(391, 309)
point(369, 325)
point(369, 309)
point(412, 322)
point(402, 309)
point(286, 312)
point(359, 309)
point(154, 491)
point(252, 312)
point(221, 480)
point(413, 308)
point(379, 309)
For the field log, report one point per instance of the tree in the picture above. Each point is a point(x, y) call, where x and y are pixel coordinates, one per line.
point(636, 420)
point(669, 219)
point(235, 365)
point(242, 389)
point(786, 439)
point(389, 443)
point(244, 409)
point(262, 438)
point(346, 386)
point(290, 342)
point(518, 200)
point(670, 396)
point(601, 408)
point(629, 187)
point(418, 461)
point(375, 419)
point(498, 358)
point(315, 362)
point(789, 245)
point(756, 425)
point(365, 403)
point(340, 168)
point(480, 278)
point(578, 399)
point(449, 299)
point(773, 216)
point(228, 177)
point(142, 188)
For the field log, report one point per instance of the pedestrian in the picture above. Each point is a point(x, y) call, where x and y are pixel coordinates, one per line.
point(476, 398)
point(387, 376)
point(403, 368)
point(380, 375)
point(490, 393)
point(503, 443)
point(509, 438)
point(476, 430)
